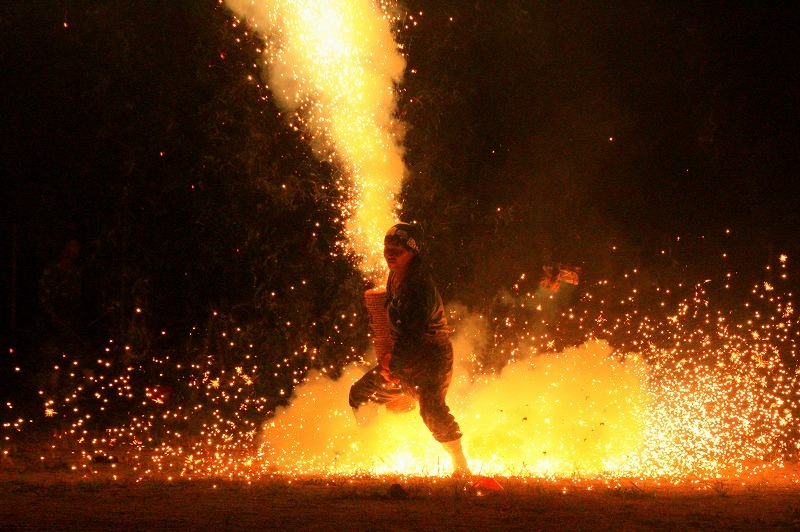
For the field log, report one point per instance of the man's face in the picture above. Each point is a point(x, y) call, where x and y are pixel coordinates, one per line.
point(397, 257)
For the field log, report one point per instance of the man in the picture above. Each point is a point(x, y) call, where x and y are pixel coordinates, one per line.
point(420, 364)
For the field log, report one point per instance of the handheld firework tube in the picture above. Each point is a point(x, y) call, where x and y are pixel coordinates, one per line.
point(382, 341)
point(379, 321)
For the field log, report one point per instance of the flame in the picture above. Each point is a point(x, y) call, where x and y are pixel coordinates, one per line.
point(579, 411)
point(335, 66)
point(713, 399)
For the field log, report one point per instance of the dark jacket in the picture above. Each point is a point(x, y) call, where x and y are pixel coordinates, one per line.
point(416, 320)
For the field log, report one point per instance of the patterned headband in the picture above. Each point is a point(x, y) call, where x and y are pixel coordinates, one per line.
point(404, 238)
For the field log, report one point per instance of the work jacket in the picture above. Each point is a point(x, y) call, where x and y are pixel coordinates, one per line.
point(417, 320)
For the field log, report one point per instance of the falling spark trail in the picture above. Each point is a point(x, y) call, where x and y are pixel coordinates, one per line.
point(334, 65)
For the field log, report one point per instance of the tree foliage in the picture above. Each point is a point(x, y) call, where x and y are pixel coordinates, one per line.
point(538, 133)
point(140, 132)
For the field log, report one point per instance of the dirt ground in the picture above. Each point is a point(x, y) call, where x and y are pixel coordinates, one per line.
point(43, 494)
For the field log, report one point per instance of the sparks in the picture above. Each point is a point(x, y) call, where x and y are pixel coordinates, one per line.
point(335, 66)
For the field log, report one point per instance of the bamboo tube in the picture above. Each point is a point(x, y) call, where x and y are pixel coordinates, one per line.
point(383, 343)
point(379, 321)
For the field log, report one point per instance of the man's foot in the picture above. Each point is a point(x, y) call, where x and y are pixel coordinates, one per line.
point(460, 465)
point(483, 484)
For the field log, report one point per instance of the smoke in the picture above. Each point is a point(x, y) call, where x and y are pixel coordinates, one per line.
point(334, 66)
point(580, 411)
point(585, 411)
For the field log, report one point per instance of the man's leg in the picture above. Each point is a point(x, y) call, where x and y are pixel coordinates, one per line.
point(368, 392)
point(436, 414)
point(437, 417)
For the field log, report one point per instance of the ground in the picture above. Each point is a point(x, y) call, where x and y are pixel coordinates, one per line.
point(46, 494)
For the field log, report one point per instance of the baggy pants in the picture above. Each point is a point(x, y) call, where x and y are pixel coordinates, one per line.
point(426, 380)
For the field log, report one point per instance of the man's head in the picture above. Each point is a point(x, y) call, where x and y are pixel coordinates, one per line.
point(405, 235)
point(400, 246)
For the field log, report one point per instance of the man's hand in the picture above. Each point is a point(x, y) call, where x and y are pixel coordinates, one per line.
point(386, 373)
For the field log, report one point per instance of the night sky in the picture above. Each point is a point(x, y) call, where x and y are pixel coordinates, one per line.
point(699, 99)
point(130, 128)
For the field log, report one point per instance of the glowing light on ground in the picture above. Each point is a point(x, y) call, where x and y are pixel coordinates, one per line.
point(711, 402)
point(580, 411)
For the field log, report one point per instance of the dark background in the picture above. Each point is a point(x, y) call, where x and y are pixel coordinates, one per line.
point(143, 197)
